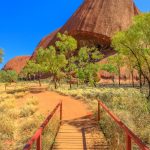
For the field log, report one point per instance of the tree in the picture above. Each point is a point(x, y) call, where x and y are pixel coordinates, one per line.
point(67, 45)
point(87, 65)
point(117, 62)
point(52, 63)
point(131, 66)
point(111, 69)
point(8, 77)
point(135, 43)
point(33, 69)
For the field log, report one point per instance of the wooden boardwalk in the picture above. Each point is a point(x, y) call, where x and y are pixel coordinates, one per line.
point(80, 134)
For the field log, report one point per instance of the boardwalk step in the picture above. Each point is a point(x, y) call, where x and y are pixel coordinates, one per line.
point(80, 137)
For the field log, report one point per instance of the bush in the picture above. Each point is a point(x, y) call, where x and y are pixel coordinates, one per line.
point(28, 110)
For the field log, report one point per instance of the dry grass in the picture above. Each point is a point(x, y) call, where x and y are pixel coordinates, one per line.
point(19, 122)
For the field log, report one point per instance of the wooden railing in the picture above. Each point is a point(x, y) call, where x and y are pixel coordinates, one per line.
point(37, 137)
point(129, 134)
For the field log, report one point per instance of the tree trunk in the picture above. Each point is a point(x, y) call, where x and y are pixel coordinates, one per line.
point(149, 90)
point(40, 82)
point(95, 84)
point(140, 77)
point(119, 77)
point(70, 84)
point(113, 80)
point(144, 80)
point(132, 79)
point(77, 83)
point(55, 84)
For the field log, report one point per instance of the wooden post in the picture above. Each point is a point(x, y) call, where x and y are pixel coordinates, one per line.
point(39, 143)
point(60, 112)
point(128, 142)
point(98, 111)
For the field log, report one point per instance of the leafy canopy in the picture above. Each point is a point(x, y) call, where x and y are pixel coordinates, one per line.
point(8, 76)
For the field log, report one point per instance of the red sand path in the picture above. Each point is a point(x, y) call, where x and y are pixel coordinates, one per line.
point(79, 129)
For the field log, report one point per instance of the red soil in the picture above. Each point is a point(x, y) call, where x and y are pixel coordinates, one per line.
point(48, 100)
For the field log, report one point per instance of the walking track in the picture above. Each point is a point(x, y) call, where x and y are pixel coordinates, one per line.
point(79, 129)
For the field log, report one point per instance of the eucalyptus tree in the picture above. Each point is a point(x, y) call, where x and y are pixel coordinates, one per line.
point(52, 63)
point(8, 77)
point(117, 62)
point(111, 69)
point(67, 45)
point(135, 43)
point(87, 65)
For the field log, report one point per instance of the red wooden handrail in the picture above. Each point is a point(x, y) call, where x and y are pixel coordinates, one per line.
point(129, 134)
point(37, 137)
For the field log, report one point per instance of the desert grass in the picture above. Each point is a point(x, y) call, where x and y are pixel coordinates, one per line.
point(19, 123)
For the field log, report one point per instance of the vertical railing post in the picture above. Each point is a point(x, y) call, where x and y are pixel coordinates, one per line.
point(39, 143)
point(128, 142)
point(98, 116)
point(60, 112)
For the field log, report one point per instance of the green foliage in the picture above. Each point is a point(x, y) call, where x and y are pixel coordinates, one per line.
point(32, 68)
point(52, 62)
point(87, 55)
point(109, 68)
point(135, 43)
point(87, 67)
point(66, 44)
point(8, 77)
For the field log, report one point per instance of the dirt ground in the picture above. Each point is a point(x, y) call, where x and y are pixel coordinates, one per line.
point(47, 100)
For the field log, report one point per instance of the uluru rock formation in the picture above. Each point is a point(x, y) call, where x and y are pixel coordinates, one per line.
point(95, 22)
point(17, 63)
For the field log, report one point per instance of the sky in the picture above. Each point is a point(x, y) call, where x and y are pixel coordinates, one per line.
point(23, 23)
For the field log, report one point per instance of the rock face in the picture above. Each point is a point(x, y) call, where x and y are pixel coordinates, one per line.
point(96, 21)
point(17, 63)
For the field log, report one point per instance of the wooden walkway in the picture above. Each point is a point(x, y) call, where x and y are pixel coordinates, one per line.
point(80, 134)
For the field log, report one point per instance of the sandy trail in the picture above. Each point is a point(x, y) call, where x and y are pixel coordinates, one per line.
point(47, 100)
point(79, 129)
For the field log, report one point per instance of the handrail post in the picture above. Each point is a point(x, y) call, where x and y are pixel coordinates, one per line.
point(128, 142)
point(98, 117)
point(60, 112)
point(39, 143)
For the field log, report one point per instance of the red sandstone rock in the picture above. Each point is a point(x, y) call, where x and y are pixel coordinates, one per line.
point(95, 22)
point(17, 63)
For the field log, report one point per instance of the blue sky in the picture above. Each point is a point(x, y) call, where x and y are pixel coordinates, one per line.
point(23, 23)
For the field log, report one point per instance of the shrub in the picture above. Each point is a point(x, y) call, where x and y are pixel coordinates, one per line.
point(28, 110)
